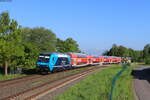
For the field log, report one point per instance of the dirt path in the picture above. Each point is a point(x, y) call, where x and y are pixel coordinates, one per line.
point(142, 82)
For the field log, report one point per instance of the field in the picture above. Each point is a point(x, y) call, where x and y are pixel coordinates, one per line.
point(98, 86)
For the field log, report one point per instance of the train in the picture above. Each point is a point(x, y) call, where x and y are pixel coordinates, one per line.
point(51, 62)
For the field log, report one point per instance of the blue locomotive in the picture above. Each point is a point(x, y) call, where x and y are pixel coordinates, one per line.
point(53, 61)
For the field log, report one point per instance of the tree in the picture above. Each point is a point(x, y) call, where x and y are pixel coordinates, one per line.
point(118, 51)
point(146, 54)
point(29, 59)
point(10, 41)
point(114, 50)
point(146, 51)
point(60, 45)
point(131, 52)
point(71, 45)
point(122, 51)
point(68, 45)
point(43, 38)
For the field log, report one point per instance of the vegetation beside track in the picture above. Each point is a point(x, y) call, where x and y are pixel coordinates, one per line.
point(71, 72)
point(10, 76)
point(98, 85)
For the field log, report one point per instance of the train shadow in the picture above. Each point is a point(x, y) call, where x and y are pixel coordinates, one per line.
point(30, 71)
point(141, 74)
point(19, 71)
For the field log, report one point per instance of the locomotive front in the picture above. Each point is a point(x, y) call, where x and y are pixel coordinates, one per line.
point(49, 62)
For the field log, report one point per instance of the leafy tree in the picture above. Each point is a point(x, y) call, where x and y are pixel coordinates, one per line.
point(114, 50)
point(29, 59)
point(60, 46)
point(146, 53)
point(10, 41)
point(118, 51)
point(125, 52)
point(69, 45)
point(147, 60)
point(43, 38)
point(131, 52)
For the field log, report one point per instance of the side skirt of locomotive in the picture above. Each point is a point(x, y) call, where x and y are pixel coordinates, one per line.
point(62, 67)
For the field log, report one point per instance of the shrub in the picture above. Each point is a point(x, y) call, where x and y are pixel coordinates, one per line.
point(147, 60)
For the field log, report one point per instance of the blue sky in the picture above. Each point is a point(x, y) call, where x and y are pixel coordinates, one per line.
point(94, 24)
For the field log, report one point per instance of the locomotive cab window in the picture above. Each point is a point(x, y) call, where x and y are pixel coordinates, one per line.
point(44, 58)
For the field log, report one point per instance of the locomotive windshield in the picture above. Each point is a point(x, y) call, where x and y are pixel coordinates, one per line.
point(44, 58)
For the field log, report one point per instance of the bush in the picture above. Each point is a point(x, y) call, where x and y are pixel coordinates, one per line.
point(147, 60)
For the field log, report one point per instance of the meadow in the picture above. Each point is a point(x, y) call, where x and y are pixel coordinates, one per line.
point(98, 86)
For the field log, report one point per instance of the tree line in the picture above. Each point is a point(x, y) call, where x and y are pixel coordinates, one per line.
point(20, 47)
point(136, 55)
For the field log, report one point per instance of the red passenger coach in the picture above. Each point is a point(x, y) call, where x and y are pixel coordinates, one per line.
point(78, 59)
point(95, 60)
point(110, 59)
point(107, 59)
point(115, 60)
point(119, 59)
point(90, 59)
point(101, 58)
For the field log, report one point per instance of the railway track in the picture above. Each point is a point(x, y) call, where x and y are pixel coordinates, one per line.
point(58, 85)
point(49, 85)
point(18, 80)
point(31, 77)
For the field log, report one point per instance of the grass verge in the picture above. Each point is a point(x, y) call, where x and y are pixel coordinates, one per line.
point(10, 76)
point(98, 85)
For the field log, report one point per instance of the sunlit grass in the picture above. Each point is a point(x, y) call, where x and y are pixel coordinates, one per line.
point(98, 85)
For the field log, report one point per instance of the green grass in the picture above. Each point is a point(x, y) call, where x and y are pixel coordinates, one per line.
point(98, 85)
point(10, 76)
